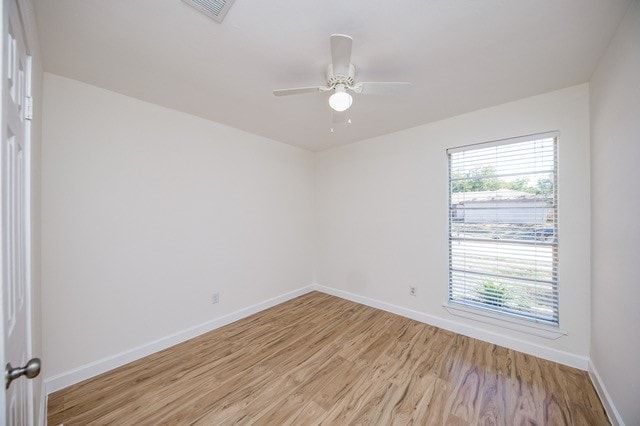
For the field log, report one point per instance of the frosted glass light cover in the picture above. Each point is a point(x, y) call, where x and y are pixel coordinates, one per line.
point(340, 101)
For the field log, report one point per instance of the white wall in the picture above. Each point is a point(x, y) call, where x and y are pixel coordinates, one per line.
point(147, 211)
point(382, 216)
point(615, 204)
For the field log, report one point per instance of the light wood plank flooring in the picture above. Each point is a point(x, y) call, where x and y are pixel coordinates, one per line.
point(319, 359)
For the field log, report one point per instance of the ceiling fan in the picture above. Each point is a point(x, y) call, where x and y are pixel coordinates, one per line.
point(341, 81)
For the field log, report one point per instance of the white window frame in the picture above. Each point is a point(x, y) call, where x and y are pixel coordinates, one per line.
point(485, 312)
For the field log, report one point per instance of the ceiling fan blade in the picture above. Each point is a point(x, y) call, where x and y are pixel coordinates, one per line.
point(382, 88)
point(341, 54)
point(299, 90)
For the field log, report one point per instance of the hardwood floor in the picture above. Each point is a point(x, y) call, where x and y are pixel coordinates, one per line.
point(319, 359)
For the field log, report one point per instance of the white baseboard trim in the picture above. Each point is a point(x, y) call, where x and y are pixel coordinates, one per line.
point(63, 380)
point(609, 407)
point(68, 378)
point(547, 353)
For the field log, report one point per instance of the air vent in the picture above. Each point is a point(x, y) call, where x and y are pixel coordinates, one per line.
point(215, 9)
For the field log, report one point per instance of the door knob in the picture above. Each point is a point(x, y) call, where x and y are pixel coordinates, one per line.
point(31, 370)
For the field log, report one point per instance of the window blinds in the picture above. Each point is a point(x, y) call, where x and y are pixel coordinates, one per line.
point(503, 231)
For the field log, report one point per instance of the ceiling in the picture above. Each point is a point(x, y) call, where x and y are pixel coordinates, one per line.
point(459, 55)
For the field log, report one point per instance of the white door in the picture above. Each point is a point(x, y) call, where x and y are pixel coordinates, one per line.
point(14, 212)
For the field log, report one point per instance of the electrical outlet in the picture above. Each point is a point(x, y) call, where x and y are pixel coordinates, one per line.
point(215, 298)
point(413, 291)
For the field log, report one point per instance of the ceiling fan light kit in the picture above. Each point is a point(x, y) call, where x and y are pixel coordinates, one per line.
point(341, 80)
point(340, 100)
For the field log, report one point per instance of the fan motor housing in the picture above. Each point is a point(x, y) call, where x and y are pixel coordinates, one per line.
point(347, 80)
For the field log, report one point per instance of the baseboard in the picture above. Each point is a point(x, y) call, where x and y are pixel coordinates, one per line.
point(68, 378)
point(607, 402)
point(63, 380)
point(550, 354)
point(93, 369)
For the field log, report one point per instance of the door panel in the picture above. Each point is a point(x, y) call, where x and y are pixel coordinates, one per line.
point(14, 169)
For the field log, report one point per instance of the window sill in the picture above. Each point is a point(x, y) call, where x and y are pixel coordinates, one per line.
point(542, 330)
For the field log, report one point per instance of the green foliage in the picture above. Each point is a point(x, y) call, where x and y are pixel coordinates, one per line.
point(481, 179)
point(544, 187)
point(484, 179)
point(492, 293)
point(519, 185)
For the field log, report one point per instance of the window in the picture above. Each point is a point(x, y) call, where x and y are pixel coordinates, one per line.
point(503, 232)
